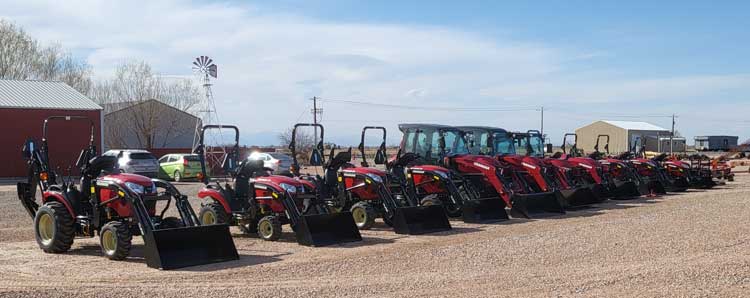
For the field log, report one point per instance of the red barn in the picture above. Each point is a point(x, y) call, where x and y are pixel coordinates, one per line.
point(23, 107)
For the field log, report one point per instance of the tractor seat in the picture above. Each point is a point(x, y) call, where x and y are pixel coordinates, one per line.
point(340, 160)
point(99, 164)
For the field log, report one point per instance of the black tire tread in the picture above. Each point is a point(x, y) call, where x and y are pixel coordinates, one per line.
point(64, 228)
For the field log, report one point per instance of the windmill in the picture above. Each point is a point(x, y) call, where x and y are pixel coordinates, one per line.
point(205, 67)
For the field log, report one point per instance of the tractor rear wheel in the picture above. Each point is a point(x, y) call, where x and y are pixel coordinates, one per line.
point(171, 223)
point(269, 228)
point(115, 240)
point(364, 215)
point(213, 214)
point(54, 228)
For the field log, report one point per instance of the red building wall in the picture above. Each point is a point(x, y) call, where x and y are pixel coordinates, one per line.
point(66, 138)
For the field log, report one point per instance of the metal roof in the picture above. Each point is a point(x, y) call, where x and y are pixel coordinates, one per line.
point(43, 95)
point(635, 125)
point(404, 126)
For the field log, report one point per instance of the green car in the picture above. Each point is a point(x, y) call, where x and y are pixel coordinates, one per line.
point(179, 166)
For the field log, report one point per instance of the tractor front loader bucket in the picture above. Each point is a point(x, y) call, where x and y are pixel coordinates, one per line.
point(678, 184)
point(602, 191)
point(420, 220)
point(578, 196)
point(484, 210)
point(326, 229)
point(625, 190)
point(655, 186)
point(189, 246)
point(525, 205)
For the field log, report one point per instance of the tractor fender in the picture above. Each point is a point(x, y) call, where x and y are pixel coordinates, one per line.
point(53, 196)
point(212, 194)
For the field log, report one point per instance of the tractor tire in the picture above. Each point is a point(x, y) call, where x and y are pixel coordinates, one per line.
point(177, 177)
point(115, 240)
point(249, 228)
point(730, 179)
point(269, 228)
point(54, 228)
point(364, 215)
point(213, 214)
point(171, 223)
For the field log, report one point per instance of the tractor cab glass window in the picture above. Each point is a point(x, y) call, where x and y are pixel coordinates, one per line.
point(482, 144)
point(536, 144)
point(409, 137)
point(435, 144)
point(422, 147)
point(503, 143)
point(521, 144)
point(455, 143)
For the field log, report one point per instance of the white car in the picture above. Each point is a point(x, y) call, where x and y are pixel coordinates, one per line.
point(278, 162)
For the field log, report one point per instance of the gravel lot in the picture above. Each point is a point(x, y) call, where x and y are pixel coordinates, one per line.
point(695, 244)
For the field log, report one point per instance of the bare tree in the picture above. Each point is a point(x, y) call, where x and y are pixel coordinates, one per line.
point(304, 143)
point(23, 58)
point(129, 98)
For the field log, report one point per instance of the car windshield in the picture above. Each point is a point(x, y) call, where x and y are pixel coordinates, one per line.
point(141, 155)
point(191, 157)
point(503, 144)
point(454, 142)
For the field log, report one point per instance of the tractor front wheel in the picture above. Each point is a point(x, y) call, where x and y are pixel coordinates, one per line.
point(54, 228)
point(213, 214)
point(364, 215)
point(115, 240)
point(269, 228)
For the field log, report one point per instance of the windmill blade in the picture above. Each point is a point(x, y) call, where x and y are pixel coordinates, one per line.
point(212, 71)
point(209, 61)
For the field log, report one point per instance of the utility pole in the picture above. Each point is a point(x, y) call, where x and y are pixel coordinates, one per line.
point(315, 111)
point(671, 138)
point(542, 130)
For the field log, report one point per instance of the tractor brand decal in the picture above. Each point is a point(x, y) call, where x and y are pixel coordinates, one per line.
point(585, 166)
point(350, 174)
point(102, 183)
point(420, 171)
point(482, 166)
point(260, 186)
point(528, 165)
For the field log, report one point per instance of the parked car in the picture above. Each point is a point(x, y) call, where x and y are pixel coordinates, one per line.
point(279, 162)
point(179, 166)
point(135, 161)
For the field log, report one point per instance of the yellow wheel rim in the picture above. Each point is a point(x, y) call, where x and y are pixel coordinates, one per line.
point(265, 228)
point(46, 228)
point(109, 242)
point(208, 218)
point(359, 215)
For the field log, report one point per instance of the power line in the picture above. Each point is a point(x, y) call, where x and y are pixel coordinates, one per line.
point(449, 109)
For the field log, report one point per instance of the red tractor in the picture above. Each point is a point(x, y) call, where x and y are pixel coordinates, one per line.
point(424, 185)
point(627, 181)
point(365, 192)
point(525, 154)
point(261, 203)
point(446, 146)
point(115, 206)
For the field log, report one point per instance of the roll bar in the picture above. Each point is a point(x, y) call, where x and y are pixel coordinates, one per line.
point(232, 157)
point(381, 149)
point(316, 157)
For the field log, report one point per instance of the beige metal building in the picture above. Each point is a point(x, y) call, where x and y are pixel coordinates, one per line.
point(622, 134)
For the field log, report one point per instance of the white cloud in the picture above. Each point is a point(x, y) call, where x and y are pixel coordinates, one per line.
point(270, 64)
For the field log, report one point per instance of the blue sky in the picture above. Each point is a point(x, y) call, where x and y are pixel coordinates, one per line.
point(582, 60)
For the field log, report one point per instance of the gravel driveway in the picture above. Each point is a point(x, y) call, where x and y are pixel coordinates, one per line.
point(693, 244)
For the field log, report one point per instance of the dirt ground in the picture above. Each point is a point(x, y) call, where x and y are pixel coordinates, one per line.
point(695, 244)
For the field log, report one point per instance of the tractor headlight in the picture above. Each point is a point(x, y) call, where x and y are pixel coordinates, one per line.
point(288, 188)
point(136, 188)
point(375, 178)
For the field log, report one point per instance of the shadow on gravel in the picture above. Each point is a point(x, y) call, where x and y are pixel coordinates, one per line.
point(136, 256)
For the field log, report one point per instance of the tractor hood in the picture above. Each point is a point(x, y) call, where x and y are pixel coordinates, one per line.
point(132, 178)
point(365, 171)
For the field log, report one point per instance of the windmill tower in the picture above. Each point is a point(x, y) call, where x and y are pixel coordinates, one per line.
point(205, 67)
